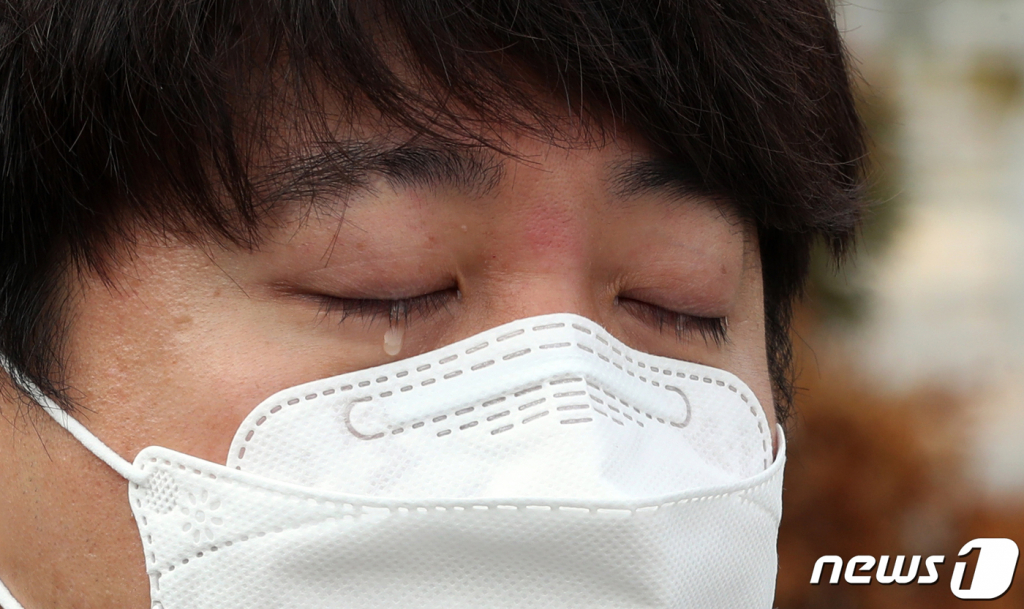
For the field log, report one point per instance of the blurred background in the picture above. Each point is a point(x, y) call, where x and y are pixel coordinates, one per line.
point(909, 437)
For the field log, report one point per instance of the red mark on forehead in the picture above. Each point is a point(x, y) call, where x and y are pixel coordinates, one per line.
point(555, 232)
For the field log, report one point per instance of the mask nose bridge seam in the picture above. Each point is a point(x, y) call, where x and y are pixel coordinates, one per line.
point(579, 417)
point(641, 365)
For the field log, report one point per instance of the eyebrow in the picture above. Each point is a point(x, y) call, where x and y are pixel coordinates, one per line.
point(646, 176)
point(342, 168)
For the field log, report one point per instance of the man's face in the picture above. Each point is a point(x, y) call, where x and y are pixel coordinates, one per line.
point(188, 339)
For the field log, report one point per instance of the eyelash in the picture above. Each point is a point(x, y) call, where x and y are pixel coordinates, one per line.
point(711, 329)
point(397, 311)
point(401, 310)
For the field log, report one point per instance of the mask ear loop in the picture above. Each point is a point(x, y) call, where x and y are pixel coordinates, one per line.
point(76, 429)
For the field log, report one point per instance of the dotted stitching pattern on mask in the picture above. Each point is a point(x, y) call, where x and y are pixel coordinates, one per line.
point(640, 363)
point(350, 511)
point(576, 409)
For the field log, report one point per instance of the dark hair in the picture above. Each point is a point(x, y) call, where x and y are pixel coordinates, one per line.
point(146, 109)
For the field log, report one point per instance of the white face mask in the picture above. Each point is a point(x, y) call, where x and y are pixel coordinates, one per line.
point(538, 464)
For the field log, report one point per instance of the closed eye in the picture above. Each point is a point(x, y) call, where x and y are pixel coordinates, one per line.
point(398, 311)
point(710, 329)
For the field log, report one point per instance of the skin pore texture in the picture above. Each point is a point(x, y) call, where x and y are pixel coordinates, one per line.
point(186, 340)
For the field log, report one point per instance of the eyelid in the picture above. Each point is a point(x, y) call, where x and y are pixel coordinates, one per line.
point(397, 310)
point(402, 310)
point(711, 329)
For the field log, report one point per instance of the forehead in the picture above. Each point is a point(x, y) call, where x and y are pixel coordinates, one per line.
point(339, 155)
point(537, 207)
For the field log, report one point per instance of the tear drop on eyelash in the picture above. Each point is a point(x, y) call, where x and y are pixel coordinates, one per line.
point(393, 340)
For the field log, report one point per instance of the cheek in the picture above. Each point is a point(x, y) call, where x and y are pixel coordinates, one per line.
point(65, 509)
point(178, 360)
point(750, 359)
